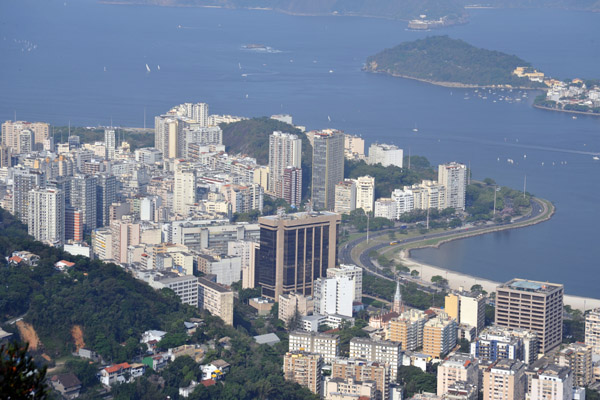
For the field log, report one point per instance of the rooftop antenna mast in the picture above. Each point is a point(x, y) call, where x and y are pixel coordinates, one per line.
point(144, 118)
point(409, 158)
point(15, 115)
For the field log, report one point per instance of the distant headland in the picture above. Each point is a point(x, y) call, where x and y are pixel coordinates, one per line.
point(444, 61)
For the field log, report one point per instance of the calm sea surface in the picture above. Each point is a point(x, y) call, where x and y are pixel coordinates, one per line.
point(85, 62)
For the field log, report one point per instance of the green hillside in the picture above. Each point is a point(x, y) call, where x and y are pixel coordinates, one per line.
point(441, 59)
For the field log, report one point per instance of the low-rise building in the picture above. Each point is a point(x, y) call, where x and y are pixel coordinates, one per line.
point(67, 385)
point(185, 287)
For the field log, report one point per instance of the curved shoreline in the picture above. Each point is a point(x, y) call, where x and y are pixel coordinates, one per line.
point(547, 214)
point(566, 111)
point(457, 280)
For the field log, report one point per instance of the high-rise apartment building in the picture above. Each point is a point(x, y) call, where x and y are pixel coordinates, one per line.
point(303, 368)
point(83, 196)
point(386, 155)
point(185, 287)
point(328, 164)
point(285, 150)
point(552, 383)
point(404, 200)
point(407, 329)
point(184, 190)
point(73, 224)
point(125, 233)
point(439, 335)
point(428, 194)
point(296, 249)
point(46, 217)
point(24, 180)
point(334, 295)
point(592, 330)
point(110, 143)
point(531, 305)
point(354, 147)
point(362, 370)
point(215, 298)
point(351, 271)
point(578, 357)
point(106, 194)
point(246, 250)
point(166, 135)
point(102, 243)
point(11, 131)
point(365, 193)
point(383, 351)
point(292, 186)
point(5, 156)
point(345, 196)
point(457, 368)
point(324, 344)
point(466, 308)
point(453, 176)
point(494, 343)
point(505, 379)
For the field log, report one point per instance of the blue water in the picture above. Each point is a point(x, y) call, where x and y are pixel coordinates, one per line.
point(63, 79)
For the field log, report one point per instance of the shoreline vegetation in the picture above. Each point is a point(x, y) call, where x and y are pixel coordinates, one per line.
point(593, 114)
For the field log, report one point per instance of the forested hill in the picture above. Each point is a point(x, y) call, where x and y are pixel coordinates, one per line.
point(405, 9)
point(440, 59)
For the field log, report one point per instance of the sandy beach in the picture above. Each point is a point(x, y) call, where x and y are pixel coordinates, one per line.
point(456, 280)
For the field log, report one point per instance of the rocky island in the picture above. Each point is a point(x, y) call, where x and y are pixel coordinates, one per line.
point(444, 61)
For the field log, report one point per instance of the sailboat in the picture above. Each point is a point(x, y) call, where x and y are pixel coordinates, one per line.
point(158, 67)
point(415, 129)
point(147, 68)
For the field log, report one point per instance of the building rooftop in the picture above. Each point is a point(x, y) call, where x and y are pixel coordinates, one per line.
point(269, 338)
point(212, 285)
point(298, 216)
point(532, 286)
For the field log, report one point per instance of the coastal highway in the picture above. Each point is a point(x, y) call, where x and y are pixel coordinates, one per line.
point(538, 208)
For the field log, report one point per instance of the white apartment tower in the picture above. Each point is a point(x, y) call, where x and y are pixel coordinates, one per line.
point(365, 193)
point(184, 190)
point(352, 272)
point(334, 296)
point(285, 150)
point(46, 218)
point(386, 155)
point(453, 177)
point(110, 143)
point(345, 196)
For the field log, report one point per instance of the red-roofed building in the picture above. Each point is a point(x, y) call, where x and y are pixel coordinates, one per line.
point(208, 382)
point(114, 374)
point(63, 265)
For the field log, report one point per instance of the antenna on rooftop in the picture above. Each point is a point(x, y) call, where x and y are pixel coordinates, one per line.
point(15, 115)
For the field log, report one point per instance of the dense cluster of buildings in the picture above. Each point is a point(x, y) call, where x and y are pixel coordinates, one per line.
point(570, 95)
point(165, 214)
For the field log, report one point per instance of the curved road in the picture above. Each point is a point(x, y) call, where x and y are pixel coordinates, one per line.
point(345, 253)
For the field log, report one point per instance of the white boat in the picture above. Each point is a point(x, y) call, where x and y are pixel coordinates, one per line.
point(147, 68)
point(574, 117)
point(415, 129)
point(158, 67)
point(331, 71)
point(595, 158)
